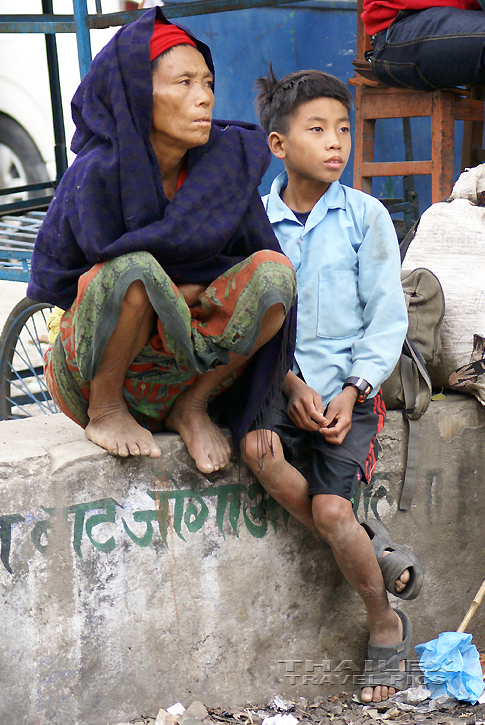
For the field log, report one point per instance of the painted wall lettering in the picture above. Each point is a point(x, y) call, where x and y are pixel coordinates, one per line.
point(183, 511)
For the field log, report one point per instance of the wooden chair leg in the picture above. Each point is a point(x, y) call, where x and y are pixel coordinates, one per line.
point(363, 146)
point(442, 142)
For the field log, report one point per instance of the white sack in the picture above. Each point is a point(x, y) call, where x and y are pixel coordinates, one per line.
point(450, 241)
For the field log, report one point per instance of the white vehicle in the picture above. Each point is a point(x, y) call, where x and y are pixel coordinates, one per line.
point(26, 127)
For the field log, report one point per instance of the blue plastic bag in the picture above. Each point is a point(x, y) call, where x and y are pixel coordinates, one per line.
point(451, 666)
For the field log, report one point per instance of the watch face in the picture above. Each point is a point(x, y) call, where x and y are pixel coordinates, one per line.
point(362, 386)
point(364, 389)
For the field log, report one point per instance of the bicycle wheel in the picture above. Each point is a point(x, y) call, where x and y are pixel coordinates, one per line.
point(23, 392)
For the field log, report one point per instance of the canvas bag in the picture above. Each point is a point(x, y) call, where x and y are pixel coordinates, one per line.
point(409, 385)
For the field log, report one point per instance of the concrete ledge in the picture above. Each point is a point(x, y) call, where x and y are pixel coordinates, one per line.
point(129, 584)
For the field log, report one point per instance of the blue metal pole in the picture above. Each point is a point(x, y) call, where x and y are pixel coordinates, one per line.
point(81, 21)
point(56, 99)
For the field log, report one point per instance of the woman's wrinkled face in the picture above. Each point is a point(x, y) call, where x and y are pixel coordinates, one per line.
point(183, 99)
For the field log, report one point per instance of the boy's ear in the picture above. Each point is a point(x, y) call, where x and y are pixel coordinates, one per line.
point(276, 143)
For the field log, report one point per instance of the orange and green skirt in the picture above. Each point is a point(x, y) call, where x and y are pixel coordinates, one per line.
point(186, 342)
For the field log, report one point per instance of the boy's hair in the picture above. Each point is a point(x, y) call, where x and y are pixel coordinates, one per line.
point(277, 100)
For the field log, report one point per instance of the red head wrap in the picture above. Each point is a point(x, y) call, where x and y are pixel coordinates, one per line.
point(165, 36)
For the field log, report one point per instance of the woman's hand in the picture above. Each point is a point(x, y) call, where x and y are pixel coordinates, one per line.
point(191, 293)
point(305, 406)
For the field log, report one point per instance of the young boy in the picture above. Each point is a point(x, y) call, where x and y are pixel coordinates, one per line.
point(351, 325)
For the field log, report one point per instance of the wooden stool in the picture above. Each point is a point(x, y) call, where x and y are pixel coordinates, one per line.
point(374, 100)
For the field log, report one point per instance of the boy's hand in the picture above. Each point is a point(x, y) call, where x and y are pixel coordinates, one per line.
point(305, 406)
point(339, 416)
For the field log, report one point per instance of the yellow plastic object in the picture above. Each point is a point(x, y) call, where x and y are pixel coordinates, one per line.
point(54, 323)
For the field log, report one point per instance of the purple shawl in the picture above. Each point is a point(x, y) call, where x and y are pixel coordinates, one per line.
point(111, 202)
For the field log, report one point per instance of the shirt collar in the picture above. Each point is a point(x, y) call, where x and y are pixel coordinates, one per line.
point(277, 210)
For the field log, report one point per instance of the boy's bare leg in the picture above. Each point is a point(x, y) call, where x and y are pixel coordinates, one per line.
point(355, 556)
point(204, 440)
point(332, 518)
point(111, 425)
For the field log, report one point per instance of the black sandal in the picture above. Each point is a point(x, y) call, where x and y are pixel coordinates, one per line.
point(382, 666)
point(395, 562)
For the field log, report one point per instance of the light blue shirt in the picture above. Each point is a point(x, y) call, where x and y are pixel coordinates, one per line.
point(352, 317)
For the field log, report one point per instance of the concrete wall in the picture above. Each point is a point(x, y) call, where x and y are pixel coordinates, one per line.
point(126, 585)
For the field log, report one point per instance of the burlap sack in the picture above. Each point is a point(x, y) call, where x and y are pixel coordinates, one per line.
point(450, 241)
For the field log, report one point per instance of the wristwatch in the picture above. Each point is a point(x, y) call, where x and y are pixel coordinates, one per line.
point(363, 387)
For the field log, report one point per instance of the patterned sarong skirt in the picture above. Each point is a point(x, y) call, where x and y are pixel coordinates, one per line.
point(185, 343)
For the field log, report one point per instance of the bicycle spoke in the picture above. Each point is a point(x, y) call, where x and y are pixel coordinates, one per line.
point(24, 390)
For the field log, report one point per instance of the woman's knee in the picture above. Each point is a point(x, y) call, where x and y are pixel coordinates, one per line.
point(265, 256)
point(136, 296)
point(269, 265)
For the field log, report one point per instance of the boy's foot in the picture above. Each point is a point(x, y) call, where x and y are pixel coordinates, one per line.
point(116, 430)
point(401, 581)
point(387, 637)
point(205, 442)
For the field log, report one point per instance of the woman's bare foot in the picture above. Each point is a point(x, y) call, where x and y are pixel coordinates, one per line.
point(384, 636)
point(206, 444)
point(115, 429)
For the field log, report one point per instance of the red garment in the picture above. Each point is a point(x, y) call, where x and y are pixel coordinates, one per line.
point(181, 178)
point(379, 14)
point(165, 37)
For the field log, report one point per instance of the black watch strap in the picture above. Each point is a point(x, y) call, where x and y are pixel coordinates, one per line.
point(363, 387)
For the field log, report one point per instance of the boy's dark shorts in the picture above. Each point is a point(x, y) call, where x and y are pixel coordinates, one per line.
point(329, 468)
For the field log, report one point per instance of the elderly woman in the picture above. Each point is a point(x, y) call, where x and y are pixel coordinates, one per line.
point(158, 249)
